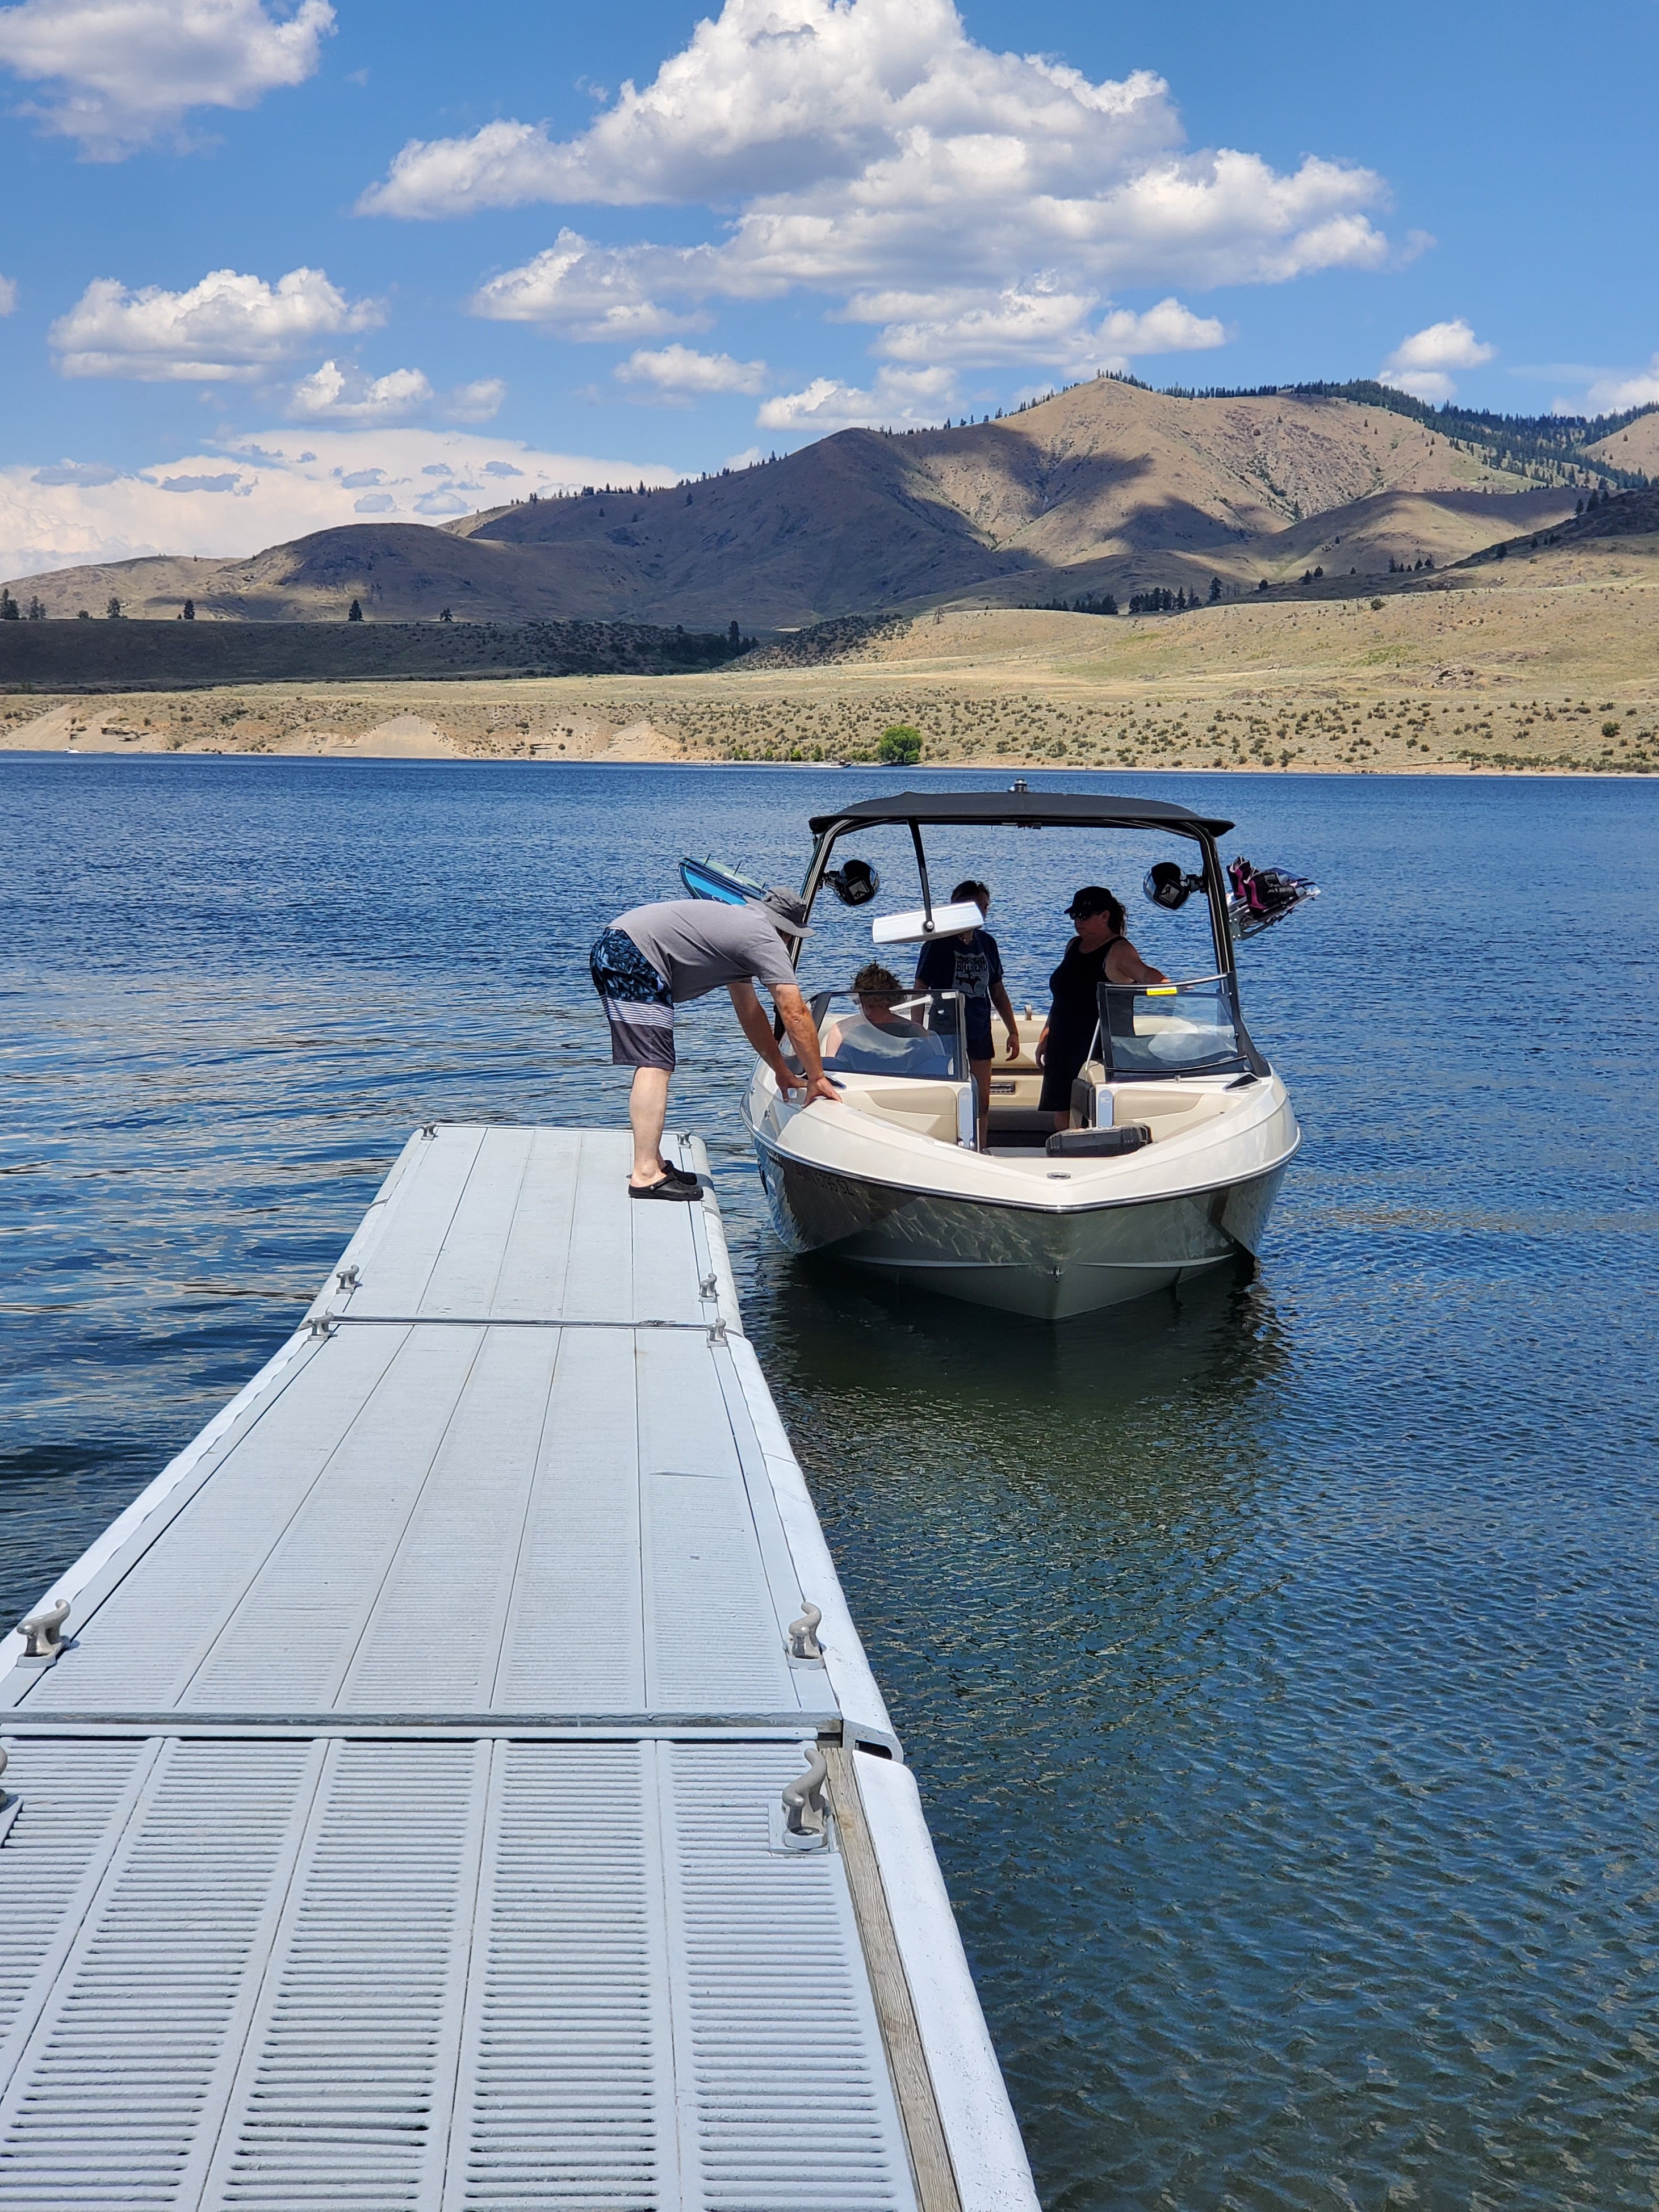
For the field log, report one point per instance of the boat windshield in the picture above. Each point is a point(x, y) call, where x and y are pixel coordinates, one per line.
point(1170, 1029)
point(922, 1035)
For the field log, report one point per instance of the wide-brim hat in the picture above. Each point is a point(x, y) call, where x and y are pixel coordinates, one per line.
point(784, 910)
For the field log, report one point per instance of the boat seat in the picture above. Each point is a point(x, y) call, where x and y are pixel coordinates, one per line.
point(927, 1109)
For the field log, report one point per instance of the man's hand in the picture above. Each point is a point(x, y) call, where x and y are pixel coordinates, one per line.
point(1042, 1049)
point(1013, 1044)
point(797, 1019)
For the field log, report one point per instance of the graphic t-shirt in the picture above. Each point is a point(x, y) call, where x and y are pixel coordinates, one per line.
point(972, 965)
point(696, 945)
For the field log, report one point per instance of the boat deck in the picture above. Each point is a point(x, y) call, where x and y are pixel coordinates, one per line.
point(402, 1822)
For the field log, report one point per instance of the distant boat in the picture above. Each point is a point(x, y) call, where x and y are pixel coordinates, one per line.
point(713, 879)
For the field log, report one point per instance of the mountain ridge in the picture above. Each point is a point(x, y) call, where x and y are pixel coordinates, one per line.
point(1105, 487)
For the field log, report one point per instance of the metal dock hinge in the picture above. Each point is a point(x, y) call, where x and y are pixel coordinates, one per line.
point(804, 1633)
point(804, 1808)
point(44, 1633)
point(346, 1277)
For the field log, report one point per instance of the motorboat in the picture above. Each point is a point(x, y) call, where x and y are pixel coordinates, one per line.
point(1178, 1136)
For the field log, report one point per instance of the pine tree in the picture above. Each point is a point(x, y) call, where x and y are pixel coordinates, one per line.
point(1215, 589)
point(355, 613)
point(8, 607)
point(37, 610)
point(112, 611)
point(189, 612)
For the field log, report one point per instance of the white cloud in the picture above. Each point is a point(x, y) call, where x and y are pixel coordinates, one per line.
point(877, 155)
point(334, 394)
point(227, 327)
point(8, 294)
point(288, 484)
point(1041, 324)
point(125, 71)
point(677, 369)
point(1612, 394)
point(599, 293)
point(1419, 364)
point(478, 402)
point(900, 398)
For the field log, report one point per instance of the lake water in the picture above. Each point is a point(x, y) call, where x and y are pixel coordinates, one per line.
point(1276, 1661)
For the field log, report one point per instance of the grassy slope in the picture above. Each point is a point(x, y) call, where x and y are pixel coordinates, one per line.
point(1520, 663)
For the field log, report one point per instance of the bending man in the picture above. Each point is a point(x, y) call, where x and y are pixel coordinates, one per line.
point(655, 958)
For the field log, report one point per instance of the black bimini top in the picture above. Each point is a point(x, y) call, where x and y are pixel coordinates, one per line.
point(1029, 809)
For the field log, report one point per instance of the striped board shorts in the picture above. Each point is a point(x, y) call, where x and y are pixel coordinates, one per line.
point(638, 1005)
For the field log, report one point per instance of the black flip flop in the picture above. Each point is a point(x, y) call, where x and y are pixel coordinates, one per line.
point(679, 1175)
point(669, 1188)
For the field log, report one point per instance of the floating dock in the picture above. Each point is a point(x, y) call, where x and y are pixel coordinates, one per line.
point(457, 1780)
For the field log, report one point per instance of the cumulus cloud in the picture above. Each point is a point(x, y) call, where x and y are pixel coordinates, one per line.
point(1039, 323)
point(579, 290)
point(334, 394)
point(228, 327)
point(899, 398)
point(990, 203)
point(1419, 364)
point(122, 73)
point(478, 402)
point(1614, 393)
point(346, 393)
point(678, 370)
point(287, 484)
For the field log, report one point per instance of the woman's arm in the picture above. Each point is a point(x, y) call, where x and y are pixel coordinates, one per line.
point(1125, 965)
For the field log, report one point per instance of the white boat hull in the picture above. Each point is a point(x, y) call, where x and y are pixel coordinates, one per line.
point(1048, 1257)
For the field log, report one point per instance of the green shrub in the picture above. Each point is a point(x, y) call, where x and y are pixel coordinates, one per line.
point(900, 746)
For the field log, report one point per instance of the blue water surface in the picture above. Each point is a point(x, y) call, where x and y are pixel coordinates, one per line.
point(1275, 1659)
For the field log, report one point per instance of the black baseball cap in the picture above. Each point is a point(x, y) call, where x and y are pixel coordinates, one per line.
point(1093, 898)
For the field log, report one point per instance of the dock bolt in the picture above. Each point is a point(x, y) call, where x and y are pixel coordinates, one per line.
point(43, 1632)
point(321, 1326)
point(429, 1130)
point(803, 1798)
point(804, 1633)
point(346, 1277)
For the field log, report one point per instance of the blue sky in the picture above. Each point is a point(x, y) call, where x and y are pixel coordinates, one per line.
point(278, 264)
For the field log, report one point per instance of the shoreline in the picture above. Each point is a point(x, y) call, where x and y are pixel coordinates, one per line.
point(1438, 769)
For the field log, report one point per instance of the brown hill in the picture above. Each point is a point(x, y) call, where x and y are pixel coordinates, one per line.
point(1635, 446)
point(1106, 487)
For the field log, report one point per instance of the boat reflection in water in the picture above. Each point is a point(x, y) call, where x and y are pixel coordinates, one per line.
point(1180, 1133)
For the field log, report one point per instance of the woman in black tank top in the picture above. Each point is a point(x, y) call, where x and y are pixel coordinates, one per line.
point(1099, 953)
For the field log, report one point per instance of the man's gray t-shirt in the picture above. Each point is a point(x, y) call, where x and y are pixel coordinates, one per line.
point(697, 945)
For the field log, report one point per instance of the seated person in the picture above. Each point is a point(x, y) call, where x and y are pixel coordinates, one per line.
point(876, 1041)
point(971, 963)
point(1099, 953)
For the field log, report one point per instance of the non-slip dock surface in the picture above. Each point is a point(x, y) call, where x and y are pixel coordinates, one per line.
point(401, 1826)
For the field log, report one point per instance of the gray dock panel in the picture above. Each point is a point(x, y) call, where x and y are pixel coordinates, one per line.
point(435, 1975)
point(402, 1828)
